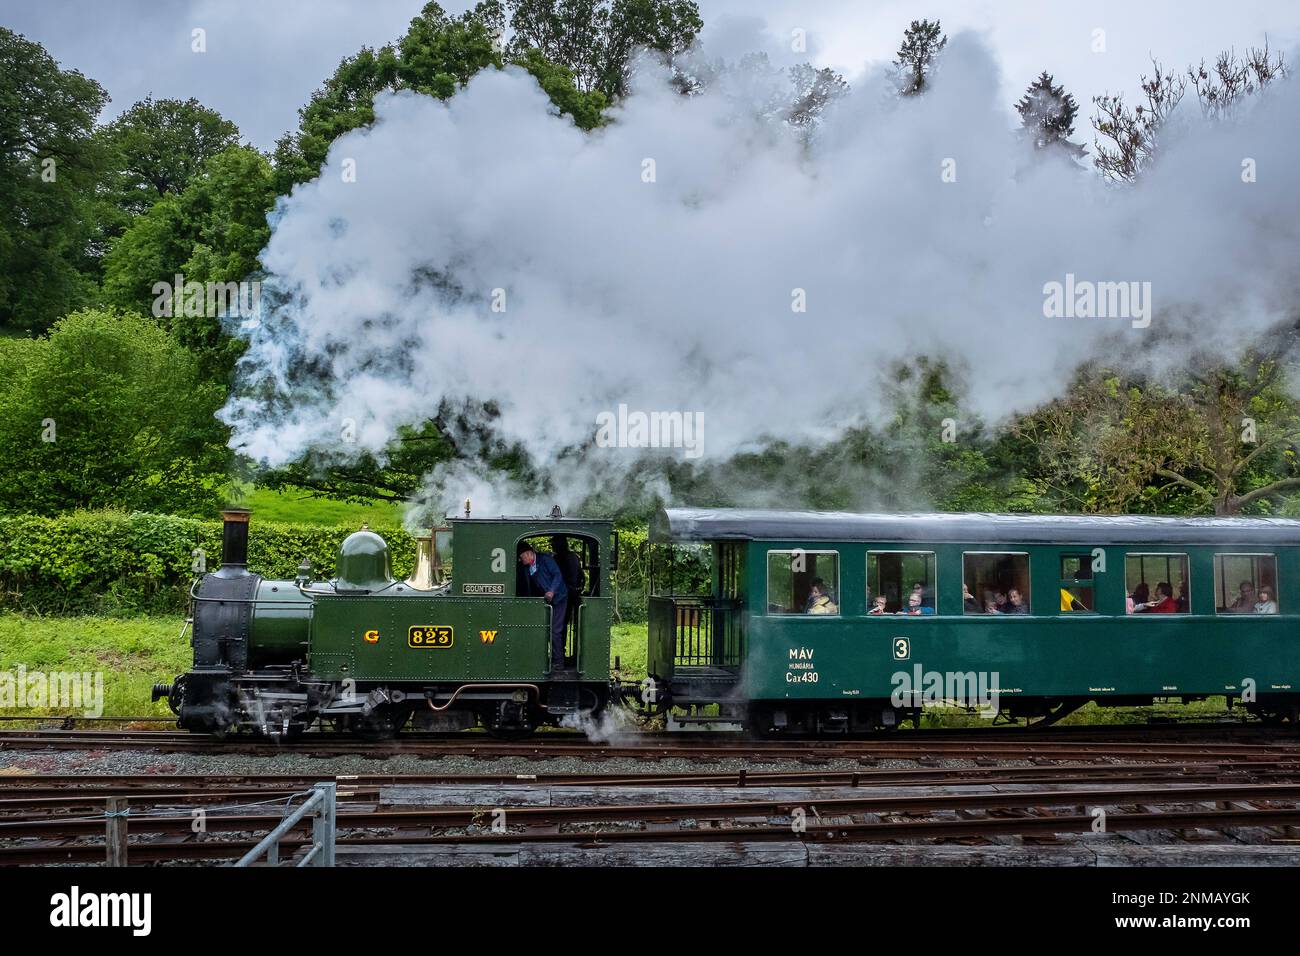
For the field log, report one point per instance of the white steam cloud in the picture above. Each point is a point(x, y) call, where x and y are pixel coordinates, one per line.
point(676, 294)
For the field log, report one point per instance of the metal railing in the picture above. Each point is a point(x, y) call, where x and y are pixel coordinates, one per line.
point(705, 631)
point(321, 806)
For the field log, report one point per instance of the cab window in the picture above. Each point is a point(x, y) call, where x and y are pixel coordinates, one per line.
point(1157, 584)
point(803, 582)
point(996, 582)
point(1245, 584)
point(900, 582)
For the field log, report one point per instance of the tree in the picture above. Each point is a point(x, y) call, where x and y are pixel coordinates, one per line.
point(1218, 439)
point(108, 411)
point(796, 96)
point(453, 434)
point(49, 164)
point(596, 39)
point(158, 146)
point(1133, 135)
point(923, 41)
point(814, 90)
point(212, 232)
point(437, 56)
point(1047, 115)
point(1222, 88)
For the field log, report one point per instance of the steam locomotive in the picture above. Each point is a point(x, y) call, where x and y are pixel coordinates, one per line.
point(368, 653)
point(907, 616)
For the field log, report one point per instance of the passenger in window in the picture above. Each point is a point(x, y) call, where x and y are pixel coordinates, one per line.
point(1180, 598)
point(1015, 603)
point(1266, 604)
point(878, 605)
point(991, 606)
point(1164, 603)
point(968, 599)
point(914, 605)
point(819, 601)
point(1245, 603)
point(1140, 599)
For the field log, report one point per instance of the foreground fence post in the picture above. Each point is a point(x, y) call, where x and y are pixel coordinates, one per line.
point(321, 805)
point(324, 826)
point(115, 831)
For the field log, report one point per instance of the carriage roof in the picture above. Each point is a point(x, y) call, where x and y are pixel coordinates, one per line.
point(722, 524)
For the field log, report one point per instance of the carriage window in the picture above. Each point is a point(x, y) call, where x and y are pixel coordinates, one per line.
point(803, 582)
point(1156, 583)
point(995, 582)
point(1245, 584)
point(900, 582)
point(1076, 583)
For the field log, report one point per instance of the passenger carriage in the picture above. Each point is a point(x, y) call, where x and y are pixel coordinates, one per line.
point(748, 647)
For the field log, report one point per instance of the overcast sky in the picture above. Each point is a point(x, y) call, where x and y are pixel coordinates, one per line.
point(264, 57)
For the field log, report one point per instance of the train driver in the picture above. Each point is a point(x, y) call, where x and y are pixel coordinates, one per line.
point(546, 579)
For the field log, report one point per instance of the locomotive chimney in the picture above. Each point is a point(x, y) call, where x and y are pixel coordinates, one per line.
point(234, 538)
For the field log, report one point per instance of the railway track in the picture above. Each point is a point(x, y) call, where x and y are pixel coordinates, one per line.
point(60, 818)
point(652, 746)
point(20, 794)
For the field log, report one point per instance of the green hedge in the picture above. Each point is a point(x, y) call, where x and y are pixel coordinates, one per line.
point(113, 562)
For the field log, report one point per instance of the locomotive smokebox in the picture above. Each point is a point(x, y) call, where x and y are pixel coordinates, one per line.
point(234, 539)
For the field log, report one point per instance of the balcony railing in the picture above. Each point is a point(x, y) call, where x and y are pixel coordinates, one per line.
point(702, 631)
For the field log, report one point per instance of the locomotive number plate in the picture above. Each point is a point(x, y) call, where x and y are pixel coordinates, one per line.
point(430, 635)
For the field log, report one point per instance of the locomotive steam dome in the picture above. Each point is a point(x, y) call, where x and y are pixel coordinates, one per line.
point(364, 563)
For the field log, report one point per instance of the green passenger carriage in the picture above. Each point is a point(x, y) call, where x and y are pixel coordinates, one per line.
point(748, 647)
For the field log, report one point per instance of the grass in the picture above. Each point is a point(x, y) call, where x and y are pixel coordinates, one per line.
point(131, 654)
point(627, 643)
point(1092, 715)
point(297, 506)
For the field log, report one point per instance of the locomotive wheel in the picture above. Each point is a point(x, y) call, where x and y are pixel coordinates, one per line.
point(381, 724)
point(509, 733)
point(492, 722)
point(296, 730)
point(599, 702)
